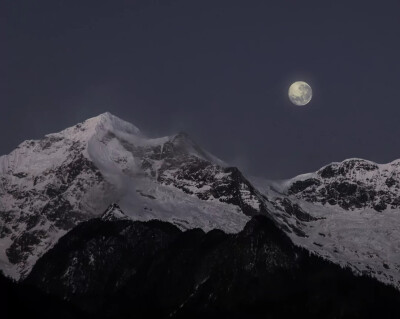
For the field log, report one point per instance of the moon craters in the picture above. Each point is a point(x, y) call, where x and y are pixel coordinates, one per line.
point(300, 93)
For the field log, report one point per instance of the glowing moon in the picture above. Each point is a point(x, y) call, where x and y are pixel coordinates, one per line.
point(300, 93)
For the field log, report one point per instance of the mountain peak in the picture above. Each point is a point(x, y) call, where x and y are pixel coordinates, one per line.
point(48, 186)
point(107, 122)
point(113, 212)
point(112, 122)
point(98, 126)
point(183, 142)
point(346, 166)
point(353, 184)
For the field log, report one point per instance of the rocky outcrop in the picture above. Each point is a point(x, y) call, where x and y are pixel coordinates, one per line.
point(352, 184)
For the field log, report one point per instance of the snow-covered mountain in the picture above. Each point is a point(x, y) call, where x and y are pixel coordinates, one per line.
point(50, 185)
point(347, 212)
point(355, 214)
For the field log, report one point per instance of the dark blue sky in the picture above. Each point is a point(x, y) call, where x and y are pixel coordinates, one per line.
point(219, 70)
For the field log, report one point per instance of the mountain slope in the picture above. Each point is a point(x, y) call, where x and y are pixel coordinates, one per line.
point(346, 212)
point(152, 269)
point(355, 214)
point(48, 186)
point(352, 184)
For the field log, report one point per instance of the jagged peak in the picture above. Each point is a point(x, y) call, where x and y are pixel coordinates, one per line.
point(105, 122)
point(182, 141)
point(113, 212)
point(112, 122)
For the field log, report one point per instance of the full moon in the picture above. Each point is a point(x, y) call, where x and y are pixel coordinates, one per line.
point(300, 93)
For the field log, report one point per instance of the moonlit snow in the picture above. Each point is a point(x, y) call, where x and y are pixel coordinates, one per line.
point(362, 238)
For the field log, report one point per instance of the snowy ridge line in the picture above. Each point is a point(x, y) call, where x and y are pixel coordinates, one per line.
point(346, 211)
point(355, 210)
point(48, 186)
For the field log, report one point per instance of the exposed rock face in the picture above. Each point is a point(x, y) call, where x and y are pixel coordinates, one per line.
point(49, 186)
point(125, 269)
point(352, 184)
point(45, 190)
point(179, 162)
point(113, 213)
point(346, 212)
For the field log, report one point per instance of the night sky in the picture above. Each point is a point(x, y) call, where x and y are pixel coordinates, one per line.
point(219, 70)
